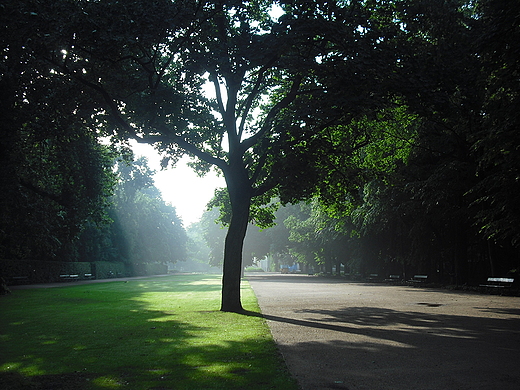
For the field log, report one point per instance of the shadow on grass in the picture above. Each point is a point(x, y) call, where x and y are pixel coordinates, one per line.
point(245, 369)
point(119, 336)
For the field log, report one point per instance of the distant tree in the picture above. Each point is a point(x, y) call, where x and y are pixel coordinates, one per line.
point(318, 239)
point(214, 234)
point(198, 250)
point(279, 234)
point(141, 227)
point(151, 229)
point(257, 245)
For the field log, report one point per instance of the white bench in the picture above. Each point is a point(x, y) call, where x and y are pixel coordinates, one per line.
point(419, 279)
point(498, 283)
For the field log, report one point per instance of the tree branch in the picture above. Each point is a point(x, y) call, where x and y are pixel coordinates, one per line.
point(165, 137)
point(218, 94)
point(252, 95)
point(289, 98)
point(259, 167)
point(183, 144)
point(37, 190)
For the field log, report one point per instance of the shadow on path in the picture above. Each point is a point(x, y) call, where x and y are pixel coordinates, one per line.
point(391, 338)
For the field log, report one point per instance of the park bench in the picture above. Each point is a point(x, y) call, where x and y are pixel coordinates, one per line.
point(498, 283)
point(418, 279)
point(89, 276)
point(393, 279)
point(69, 277)
point(373, 278)
point(19, 279)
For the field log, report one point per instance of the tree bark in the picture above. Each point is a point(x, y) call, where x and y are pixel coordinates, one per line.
point(240, 196)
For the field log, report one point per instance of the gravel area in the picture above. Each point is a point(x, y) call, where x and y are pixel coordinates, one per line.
point(345, 335)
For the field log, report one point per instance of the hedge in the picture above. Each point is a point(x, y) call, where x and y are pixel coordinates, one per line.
point(109, 269)
point(34, 271)
point(144, 269)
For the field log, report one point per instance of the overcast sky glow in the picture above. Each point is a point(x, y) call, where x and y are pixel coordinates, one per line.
point(181, 186)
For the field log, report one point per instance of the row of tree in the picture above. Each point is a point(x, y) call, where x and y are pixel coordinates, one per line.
point(368, 240)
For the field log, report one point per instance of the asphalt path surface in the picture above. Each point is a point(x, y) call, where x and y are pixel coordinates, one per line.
point(345, 335)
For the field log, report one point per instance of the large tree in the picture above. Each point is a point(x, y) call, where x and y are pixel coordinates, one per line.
point(278, 85)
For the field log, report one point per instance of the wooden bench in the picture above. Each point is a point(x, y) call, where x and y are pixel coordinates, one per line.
point(498, 283)
point(418, 279)
point(393, 279)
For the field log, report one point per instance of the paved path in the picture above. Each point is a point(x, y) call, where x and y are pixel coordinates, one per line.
point(339, 335)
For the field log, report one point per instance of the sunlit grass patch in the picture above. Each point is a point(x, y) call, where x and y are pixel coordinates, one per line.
point(163, 333)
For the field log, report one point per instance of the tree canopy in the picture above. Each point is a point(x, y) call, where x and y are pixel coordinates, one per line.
point(146, 70)
point(332, 99)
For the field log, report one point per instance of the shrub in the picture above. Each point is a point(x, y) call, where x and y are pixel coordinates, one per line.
point(144, 269)
point(41, 271)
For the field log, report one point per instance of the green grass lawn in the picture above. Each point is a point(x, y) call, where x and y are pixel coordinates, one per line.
point(158, 333)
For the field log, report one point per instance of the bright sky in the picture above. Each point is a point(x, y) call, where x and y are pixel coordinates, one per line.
point(181, 186)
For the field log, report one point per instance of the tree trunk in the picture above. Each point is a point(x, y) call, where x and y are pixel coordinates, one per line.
point(328, 265)
point(461, 256)
point(491, 258)
point(240, 197)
